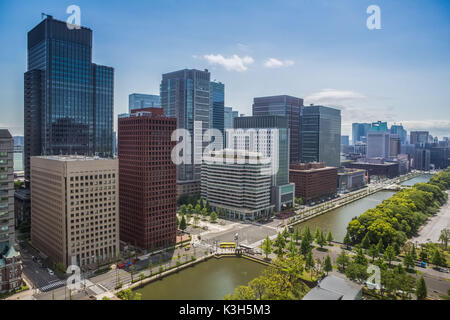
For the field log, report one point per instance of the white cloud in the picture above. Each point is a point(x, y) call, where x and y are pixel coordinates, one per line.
point(332, 96)
point(275, 63)
point(233, 63)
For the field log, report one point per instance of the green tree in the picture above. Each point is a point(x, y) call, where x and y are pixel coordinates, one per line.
point(292, 248)
point(389, 255)
point(373, 252)
point(309, 262)
point(305, 247)
point(342, 261)
point(317, 234)
point(280, 241)
point(129, 294)
point(213, 217)
point(444, 238)
point(408, 261)
point(267, 247)
point(360, 258)
point(438, 259)
point(347, 240)
point(307, 235)
point(356, 272)
point(299, 201)
point(328, 266)
point(330, 238)
point(297, 235)
point(380, 246)
point(321, 241)
point(183, 224)
point(150, 266)
point(366, 241)
point(421, 289)
point(280, 252)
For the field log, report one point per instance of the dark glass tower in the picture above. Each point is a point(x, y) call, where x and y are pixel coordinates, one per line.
point(320, 132)
point(285, 106)
point(68, 100)
point(185, 95)
point(217, 111)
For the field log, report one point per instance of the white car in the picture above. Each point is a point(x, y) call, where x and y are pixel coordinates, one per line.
point(50, 272)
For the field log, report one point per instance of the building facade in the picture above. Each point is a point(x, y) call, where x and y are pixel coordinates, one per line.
point(419, 137)
point(379, 126)
point(75, 209)
point(320, 133)
point(229, 116)
point(378, 144)
point(217, 108)
point(138, 101)
point(401, 132)
point(10, 263)
point(147, 179)
point(268, 135)
point(378, 168)
point(68, 100)
point(237, 183)
point(313, 181)
point(285, 106)
point(395, 146)
point(351, 179)
point(422, 159)
point(359, 132)
point(185, 95)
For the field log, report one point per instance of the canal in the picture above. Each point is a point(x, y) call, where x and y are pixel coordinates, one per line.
point(337, 220)
point(419, 179)
point(210, 280)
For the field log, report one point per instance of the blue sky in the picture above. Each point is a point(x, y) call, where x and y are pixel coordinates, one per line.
point(320, 50)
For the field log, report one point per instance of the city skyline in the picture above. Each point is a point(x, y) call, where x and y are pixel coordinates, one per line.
point(368, 75)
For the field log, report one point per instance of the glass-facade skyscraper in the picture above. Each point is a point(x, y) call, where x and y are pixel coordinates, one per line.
point(68, 100)
point(142, 101)
point(217, 109)
point(185, 95)
point(401, 132)
point(285, 106)
point(359, 132)
point(320, 132)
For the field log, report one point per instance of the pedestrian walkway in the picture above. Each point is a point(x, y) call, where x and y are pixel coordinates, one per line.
point(53, 286)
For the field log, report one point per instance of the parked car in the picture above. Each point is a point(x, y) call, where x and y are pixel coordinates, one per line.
point(50, 272)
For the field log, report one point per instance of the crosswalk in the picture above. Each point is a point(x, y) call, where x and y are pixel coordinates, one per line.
point(53, 285)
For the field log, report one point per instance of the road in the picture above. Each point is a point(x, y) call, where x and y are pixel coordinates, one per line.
point(432, 230)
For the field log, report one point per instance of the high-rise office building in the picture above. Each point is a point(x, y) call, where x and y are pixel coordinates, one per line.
point(10, 262)
point(185, 95)
point(217, 108)
point(401, 132)
point(378, 144)
point(268, 135)
point(379, 126)
point(359, 132)
point(75, 209)
point(229, 116)
point(345, 140)
point(68, 100)
point(147, 179)
point(6, 190)
point(142, 101)
point(320, 134)
point(419, 137)
point(285, 106)
point(422, 159)
point(395, 145)
point(238, 183)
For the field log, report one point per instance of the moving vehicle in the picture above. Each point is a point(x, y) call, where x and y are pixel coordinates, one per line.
point(228, 245)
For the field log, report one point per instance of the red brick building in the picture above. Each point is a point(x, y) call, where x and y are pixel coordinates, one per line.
point(147, 179)
point(313, 180)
